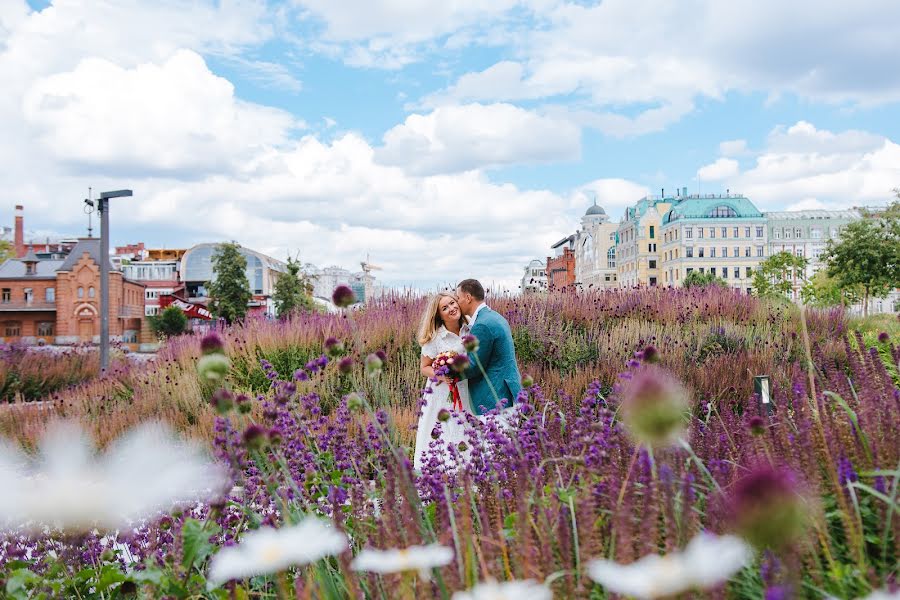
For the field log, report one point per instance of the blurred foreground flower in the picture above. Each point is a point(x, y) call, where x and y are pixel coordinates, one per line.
point(509, 590)
point(343, 296)
point(145, 471)
point(414, 558)
point(707, 561)
point(767, 508)
point(655, 407)
point(268, 550)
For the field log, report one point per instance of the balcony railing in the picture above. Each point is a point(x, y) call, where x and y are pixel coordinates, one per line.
point(21, 305)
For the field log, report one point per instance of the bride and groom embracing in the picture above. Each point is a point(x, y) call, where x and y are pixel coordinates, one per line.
point(476, 380)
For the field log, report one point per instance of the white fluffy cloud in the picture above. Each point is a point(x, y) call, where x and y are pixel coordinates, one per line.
point(723, 168)
point(733, 147)
point(475, 136)
point(175, 116)
point(803, 166)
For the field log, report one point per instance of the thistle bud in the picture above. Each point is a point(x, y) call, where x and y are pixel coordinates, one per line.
point(381, 354)
point(255, 437)
point(766, 508)
point(462, 446)
point(373, 365)
point(443, 415)
point(884, 337)
point(527, 381)
point(757, 425)
point(655, 407)
point(460, 363)
point(212, 343)
point(242, 402)
point(222, 400)
point(333, 347)
point(345, 365)
point(470, 343)
point(651, 355)
point(354, 401)
point(213, 367)
point(275, 437)
point(343, 296)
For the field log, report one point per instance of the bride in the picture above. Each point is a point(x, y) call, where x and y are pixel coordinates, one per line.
point(440, 331)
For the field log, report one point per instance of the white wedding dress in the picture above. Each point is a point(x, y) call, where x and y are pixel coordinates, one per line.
point(452, 430)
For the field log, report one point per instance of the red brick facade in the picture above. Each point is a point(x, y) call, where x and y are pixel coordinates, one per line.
point(561, 270)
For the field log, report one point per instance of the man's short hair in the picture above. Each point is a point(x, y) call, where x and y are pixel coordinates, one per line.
point(473, 287)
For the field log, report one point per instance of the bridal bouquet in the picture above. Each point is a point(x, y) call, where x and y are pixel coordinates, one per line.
point(444, 364)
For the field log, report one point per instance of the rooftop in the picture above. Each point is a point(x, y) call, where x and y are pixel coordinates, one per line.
point(815, 214)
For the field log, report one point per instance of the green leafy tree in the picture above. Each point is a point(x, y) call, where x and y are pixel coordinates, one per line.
point(170, 322)
point(6, 251)
point(229, 291)
point(776, 275)
point(293, 291)
point(867, 255)
point(822, 291)
point(698, 279)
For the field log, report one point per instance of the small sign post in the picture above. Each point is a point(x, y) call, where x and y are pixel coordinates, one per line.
point(762, 387)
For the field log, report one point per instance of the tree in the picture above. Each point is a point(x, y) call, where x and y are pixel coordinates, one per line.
point(229, 291)
point(867, 255)
point(170, 322)
point(698, 279)
point(822, 291)
point(6, 251)
point(293, 291)
point(775, 276)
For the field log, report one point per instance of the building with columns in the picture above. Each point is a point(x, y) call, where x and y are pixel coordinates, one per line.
point(721, 234)
point(595, 251)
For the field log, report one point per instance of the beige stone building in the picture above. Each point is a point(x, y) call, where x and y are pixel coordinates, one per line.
point(721, 234)
point(638, 249)
point(595, 251)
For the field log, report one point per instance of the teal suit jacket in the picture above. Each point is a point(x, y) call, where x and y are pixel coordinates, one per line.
point(497, 356)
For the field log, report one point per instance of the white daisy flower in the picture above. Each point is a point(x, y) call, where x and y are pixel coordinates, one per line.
point(508, 590)
point(414, 558)
point(268, 550)
point(68, 487)
point(706, 561)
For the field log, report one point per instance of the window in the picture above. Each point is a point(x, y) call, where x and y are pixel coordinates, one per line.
point(722, 211)
point(651, 247)
point(737, 232)
point(759, 231)
point(712, 252)
point(652, 232)
point(12, 328)
point(737, 251)
point(724, 232)
point(50, 295)
point(7, 294)
point(747, 251)
point(700, 233)
point(689, 252)
point(798, 233)
point(653, 282)
point(724, 272)
point(712, 271)
point(611, 258)
point(759, 251)
point(748, 272)
point(700, 253)
point(788, 233)
point(737, 272)
point(651, 264)
point(689, 270)
point(151, 311)
point(712, 232)
point(29, 295)
point(777, 232)
point(45, 328)
point(746, 232)
point(815, 233)
point(81, 292)
point(799, 252)
point(91, 292)
point(701, 269)
point(688, 232)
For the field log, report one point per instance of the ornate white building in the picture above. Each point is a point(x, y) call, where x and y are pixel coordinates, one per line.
point(535, 277)
point(595, 250)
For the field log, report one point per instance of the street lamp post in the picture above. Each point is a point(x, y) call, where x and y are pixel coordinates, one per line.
point(103, 209)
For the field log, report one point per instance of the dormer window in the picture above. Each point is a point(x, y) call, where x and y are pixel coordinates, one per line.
point(722, 211)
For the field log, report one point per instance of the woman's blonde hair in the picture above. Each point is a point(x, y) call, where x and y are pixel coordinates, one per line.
point(431, 318)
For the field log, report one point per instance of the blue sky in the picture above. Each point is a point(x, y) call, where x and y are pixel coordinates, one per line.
point(442, 139)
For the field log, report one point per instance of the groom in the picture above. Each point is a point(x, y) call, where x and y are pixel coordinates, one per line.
point(495, 352)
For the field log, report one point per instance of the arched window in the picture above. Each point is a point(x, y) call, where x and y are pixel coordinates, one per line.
point(81, 292)
point(722, 211)
point(91, 292)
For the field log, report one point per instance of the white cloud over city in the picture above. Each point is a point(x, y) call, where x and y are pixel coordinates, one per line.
point(154, 96)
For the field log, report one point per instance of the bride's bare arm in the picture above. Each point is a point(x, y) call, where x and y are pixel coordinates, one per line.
point(426, 368)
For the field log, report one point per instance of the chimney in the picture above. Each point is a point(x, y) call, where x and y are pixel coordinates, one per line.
point(20, 231)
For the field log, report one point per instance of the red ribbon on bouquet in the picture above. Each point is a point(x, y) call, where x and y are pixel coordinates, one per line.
point(454, 394)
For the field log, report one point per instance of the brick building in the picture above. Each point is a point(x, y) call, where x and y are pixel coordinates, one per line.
point(58, 301)
point(561, 267)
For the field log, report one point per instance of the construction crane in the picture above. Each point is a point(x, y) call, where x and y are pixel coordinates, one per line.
point(368, 267)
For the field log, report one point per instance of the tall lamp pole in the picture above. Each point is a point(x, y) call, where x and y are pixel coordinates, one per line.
point(103, 209)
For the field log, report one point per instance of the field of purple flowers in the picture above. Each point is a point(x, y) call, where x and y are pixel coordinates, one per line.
point(637, 463)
